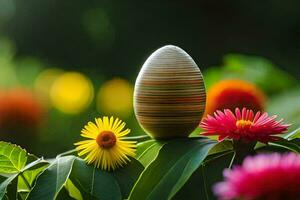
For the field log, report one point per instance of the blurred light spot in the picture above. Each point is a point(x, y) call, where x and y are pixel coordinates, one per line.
point(7, 9)
point(8, 76)
point(27, 69)
point(7, 48)
point(71, 93)
point(99, 27)
point(115, 98)
point(43, 84)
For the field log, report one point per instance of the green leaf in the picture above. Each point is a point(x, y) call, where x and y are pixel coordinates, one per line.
point(142, 146)
point(30, 172)
point(293, 135)
point(220, 147)
point(93, 182)
point(127, 176)
point(52, 179)
point(98, 184)
point(176, 162)
point(22, 195)
point(12, 191)
point(5, 182)
point(152, 148)
point(201, 182)
point(73, 190)
point(12, 158)
point(285, 144)
point(64, 195)
point(12, 163)
point(212, 170)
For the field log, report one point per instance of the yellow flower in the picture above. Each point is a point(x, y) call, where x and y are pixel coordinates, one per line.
point(115, 97)
point(71, 92)
point(104, 146)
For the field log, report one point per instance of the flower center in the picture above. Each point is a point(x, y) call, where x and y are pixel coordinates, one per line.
point(244, 123)
point(106, 139)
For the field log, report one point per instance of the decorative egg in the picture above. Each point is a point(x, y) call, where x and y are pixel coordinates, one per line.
point(169, 94)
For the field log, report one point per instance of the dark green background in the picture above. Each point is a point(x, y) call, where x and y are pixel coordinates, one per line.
point(114, 37)
point(111, 38)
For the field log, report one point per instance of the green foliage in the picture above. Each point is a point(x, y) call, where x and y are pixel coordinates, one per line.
point(12, 158)
point(287, 106)
point(52, 180)
point(220, 147)
point(65, 177)
point(8, 182)
point(257, 70)
point(177, 169)
point(30, 173)
point(73, 190)
point(286, 145)
point(290, 142)
point(148, 151)
point(98, 184)
point(202, 180)
point(17, 172)
point(176, 162)
point(293, 135)
point(64, 195)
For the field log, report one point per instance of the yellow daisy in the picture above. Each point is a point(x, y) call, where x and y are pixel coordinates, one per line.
point(104, 146)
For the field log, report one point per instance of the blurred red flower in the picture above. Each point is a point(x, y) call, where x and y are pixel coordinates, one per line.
point(231, 94)
point(20, 114)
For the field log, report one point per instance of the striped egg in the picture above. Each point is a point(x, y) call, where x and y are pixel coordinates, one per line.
point(169, 94)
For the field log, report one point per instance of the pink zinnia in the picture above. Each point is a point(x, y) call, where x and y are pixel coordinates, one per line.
point(268, 177)
point(243, 125)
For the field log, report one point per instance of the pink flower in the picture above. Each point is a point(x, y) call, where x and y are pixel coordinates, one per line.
point(243, 125)
point(265, 176)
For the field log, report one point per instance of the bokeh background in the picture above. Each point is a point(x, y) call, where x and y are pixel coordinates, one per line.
point(63, 63)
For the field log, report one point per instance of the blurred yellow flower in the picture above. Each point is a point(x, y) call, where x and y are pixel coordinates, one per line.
point(115, 97)
point(71, 92)
point(104, 146)
point(44, 82)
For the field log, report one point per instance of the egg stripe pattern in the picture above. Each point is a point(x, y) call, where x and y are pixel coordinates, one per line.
point(169, 97)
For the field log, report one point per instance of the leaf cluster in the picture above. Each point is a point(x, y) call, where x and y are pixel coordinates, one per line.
point(182, 168)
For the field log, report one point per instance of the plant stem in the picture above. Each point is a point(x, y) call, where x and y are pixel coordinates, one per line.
point(66, 153)
point(204, 181)
point(242, 150)
point(219, 156)
point(231, 162)
point(138, 138)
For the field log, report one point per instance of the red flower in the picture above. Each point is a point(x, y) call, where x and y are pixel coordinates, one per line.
point(243, 125)
point(231, 94)
point(270, 177)
point(19, 109)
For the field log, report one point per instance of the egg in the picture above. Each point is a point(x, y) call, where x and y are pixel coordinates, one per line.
point(169, 94)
